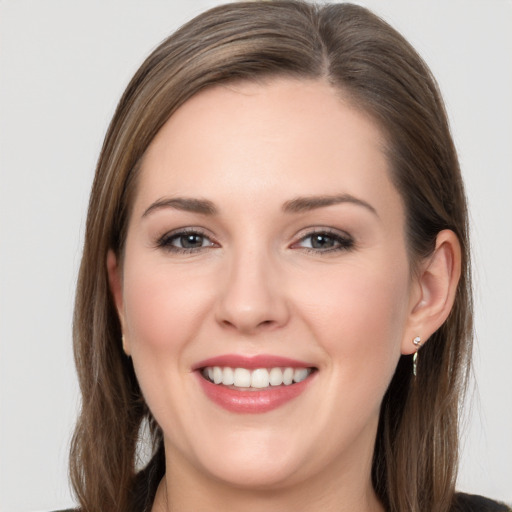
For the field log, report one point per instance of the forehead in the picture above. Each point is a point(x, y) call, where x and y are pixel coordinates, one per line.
point(281, 137)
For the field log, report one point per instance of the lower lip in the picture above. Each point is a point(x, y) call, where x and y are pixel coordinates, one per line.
point(253, 402)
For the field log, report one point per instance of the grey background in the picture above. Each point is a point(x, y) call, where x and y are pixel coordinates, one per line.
point(63, 66)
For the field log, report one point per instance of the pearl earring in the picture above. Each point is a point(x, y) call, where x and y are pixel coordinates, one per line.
point(417, 344)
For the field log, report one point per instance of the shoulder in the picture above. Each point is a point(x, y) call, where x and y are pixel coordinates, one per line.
point(472, 503)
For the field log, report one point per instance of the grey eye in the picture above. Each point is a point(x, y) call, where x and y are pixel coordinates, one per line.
point(322, 241)
point(185, 241)
point(190, 241)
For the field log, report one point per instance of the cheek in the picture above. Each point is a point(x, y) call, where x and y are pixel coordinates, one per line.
point(359, 315)
point(163, 307)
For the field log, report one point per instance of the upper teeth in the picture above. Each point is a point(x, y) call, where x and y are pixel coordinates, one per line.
point(257, 378)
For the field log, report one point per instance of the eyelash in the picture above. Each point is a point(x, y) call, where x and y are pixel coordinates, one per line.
point(341, 242)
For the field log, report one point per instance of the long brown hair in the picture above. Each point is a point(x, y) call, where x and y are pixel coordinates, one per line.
point(415, 458)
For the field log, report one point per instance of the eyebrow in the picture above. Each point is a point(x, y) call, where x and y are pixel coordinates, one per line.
point(297, 205)
point(303, 204)
point(187, 204)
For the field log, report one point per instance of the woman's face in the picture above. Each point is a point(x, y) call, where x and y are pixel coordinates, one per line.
point(266, 234)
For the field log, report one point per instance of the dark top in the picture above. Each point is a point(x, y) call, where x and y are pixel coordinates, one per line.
point(463, 503)
point(472, 503)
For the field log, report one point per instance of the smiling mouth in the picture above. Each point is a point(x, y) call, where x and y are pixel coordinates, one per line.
point(257, 379)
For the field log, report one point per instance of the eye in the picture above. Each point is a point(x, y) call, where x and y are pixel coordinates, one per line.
point(325, 241)
point(185, 241)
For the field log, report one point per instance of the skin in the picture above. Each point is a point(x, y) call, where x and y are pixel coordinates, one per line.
point(257, 286)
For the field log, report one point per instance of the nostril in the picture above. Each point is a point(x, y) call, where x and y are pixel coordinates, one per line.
point(250, 326)
point(267, 324)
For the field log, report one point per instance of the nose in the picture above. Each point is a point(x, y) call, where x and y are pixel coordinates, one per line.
point(253, 294)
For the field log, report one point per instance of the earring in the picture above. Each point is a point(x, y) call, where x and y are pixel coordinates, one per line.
point(417, 344)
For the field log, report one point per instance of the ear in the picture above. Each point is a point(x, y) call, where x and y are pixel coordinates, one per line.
point(434, 290)
point(115, 282)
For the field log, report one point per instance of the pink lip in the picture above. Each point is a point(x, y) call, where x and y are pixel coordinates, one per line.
point(251, 362)
point(253, 402)
point(235, 400)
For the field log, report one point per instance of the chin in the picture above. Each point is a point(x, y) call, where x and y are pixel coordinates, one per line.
point(260, 475)
point(251, 459)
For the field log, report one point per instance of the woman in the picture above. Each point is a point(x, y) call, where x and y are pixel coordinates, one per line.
point(275, 278)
